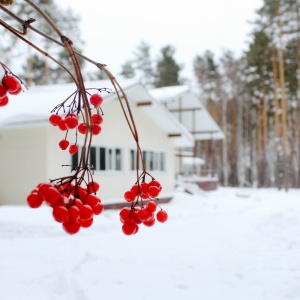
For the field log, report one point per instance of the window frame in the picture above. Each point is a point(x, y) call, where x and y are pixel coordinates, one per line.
point(113, 158)
point(155, 160)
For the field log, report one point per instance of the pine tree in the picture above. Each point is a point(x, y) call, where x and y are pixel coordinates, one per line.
point(142, 62)
point(207, 75)
point(127, 70)
point(167, 69)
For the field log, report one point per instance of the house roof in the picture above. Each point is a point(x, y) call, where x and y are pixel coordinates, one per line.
point(188, 109)
point(34, 106)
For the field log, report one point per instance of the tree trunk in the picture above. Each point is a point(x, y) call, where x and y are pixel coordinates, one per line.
point(283, 106)
point(224, 152)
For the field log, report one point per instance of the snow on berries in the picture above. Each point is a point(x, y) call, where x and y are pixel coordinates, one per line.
point(9, 84)
point(144, 208)
point(73, 206)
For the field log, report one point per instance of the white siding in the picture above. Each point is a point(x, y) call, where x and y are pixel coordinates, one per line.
point(115, 133)
point(22, 161)
point(29, 156)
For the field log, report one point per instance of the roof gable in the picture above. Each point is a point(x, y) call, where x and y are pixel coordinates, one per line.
point(188, 109)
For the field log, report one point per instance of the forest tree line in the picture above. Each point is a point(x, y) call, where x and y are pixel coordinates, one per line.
point(255, 98)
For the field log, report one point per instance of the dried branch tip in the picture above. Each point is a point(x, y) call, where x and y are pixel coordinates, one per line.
point(6, 2)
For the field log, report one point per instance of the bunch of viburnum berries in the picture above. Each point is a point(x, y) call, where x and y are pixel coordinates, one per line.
point(71, 122)
point(9, 85)
point(138, 213)
point(73, 206)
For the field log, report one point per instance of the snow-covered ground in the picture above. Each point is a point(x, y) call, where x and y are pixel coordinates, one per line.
point(228, 244)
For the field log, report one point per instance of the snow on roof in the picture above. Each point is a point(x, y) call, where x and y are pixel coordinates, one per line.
point(34, 106)
point(189, 110)
point(168, 93)
point(37, 102)
point(193, 161)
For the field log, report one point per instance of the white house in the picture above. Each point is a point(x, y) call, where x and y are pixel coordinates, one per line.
point(186, 106)
point(29, 151)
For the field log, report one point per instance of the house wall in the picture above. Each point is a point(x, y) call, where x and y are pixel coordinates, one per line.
point(30, 155)
point(115, 133)
point(151, 137)
point(22, 161)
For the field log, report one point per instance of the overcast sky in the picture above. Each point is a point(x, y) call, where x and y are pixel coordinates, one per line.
point(113, 29)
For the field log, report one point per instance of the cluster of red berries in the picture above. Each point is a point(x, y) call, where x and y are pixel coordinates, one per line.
point(139, 213)
point(9, 85)
point(73, 206)
point(71, 121)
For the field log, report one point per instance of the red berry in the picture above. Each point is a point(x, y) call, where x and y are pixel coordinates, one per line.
point(96, 100)
point(71, 227)
point(96, 129)
point(82, 128)
point(144, 187)
point(63, 144)
point(73, 212)
point(144, 195)
point(153, 191)
point(54, 119)
point(97, 119)
point(135, 189)
point(16, 91)
point(155, 183)
point(92, 200)
point(3, 91)
point(134, 216)
point(97, 209)
point(86, 223)
point(3, 101)
point(129, 228)
point(71, 122)
point(162, 216)
point(144, 214)
point(78, 203)
point(125, 215)
point(60, 213)
point(73, 149)
point(42, 189)
point(149, 223)
point(86, 212)
point(151, 206)
point(71, 115)
point(62, 125)
point(11, 82)
point(52, 195)
point(129, 196)
point(34, 200)
point(93, 187)
point(82, 193)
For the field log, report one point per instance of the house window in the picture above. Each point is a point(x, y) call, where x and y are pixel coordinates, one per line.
point(102, 158)
point(154, 160)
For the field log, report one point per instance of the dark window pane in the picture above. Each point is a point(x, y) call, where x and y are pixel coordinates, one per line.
point(151, 166)
point(74, 159)
point(102, 158)
point(118, 159)
point(93, 157)
point(132, 160)
point(110, 159)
